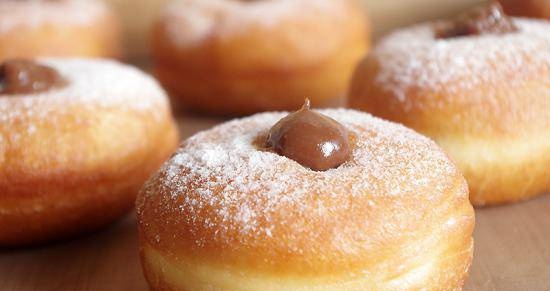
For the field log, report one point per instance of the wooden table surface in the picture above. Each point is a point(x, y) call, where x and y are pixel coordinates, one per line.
point(512, 252)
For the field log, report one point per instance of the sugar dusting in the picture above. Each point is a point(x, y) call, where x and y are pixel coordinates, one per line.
point(191, 21)
point(245, 188)
point(34, 13)
point(414, 59)
point(93, 84)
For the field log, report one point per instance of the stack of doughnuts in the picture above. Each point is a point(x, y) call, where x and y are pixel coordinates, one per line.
point(241, 57)
point(77, 140)
point(238, 207)
point(57, 28)
point(479, 86)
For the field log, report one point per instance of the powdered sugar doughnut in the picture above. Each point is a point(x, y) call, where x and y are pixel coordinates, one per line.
point(239, 57)
point(226, 213)
point(485, 99)
point(73, 158)
point(57, 28)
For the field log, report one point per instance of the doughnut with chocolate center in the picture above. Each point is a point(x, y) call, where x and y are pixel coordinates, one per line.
point(485, 98)
point(74, 155)
point(227, 213)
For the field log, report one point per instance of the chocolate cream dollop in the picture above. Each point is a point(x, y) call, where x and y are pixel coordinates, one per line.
point(489, 19)
point(314, 140)
point(20, 76)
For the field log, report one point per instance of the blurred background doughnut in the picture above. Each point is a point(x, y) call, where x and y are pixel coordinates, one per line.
point(239, 57)
point(78, 138)
point(58, 28)
point(479, 87)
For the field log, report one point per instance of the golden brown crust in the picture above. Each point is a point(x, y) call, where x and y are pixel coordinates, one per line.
point(221, 206)
point(70, 166)
point(87, 186)
point(490, 113)
point(30, 29)
point(250, 59)
point(527, 8)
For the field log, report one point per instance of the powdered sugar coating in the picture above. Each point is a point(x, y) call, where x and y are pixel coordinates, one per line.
point(414, 59)
point(191, 21)
point(93, 84)
point(34, 13)
point(251, 193)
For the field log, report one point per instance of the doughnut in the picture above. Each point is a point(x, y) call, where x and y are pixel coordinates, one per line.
point(61, 28)
point(527, 8)
point(235, 57)
point(78, 138)
point(484, 97)
point(238, 207)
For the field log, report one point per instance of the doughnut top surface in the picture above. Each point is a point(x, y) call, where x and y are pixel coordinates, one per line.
point(414, 59)
point(92, 84)
point(15, 14)
point(222, 194)
point(193, 21)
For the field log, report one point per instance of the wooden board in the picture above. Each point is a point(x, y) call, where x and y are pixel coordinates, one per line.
point(512, 252)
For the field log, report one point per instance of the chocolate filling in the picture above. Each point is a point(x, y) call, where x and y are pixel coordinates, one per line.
point(26, 77)
point(312, 139)
point(489, 19)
